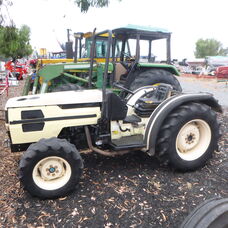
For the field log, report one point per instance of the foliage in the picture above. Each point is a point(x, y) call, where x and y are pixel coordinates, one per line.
point(86, 4)
point(4, 14)
point(208, 47)
point(14, 42)
point(24, 48)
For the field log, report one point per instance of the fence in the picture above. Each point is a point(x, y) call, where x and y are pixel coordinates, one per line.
point(4, 83)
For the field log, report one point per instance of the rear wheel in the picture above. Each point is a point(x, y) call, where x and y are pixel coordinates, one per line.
point(50, 168)
point(154, 76)
point(188, 136)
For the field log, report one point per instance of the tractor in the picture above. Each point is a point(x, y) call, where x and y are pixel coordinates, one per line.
point(54, 129)
point(131, 70)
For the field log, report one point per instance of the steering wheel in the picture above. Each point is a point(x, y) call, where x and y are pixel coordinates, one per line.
point(127, 56)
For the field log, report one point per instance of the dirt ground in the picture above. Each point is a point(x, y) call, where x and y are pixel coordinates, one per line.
point(133, 190)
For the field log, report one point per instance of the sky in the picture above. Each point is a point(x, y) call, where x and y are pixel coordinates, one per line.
point(187, 20)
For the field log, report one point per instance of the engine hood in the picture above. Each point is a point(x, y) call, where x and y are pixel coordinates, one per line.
point(58, 98)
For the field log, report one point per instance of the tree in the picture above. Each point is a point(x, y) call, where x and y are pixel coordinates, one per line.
point(4, 13)
point(208, 47)
point(14, 42)
point(24, 48)
point(86, 4)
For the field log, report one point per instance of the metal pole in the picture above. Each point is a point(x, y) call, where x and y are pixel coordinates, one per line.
point(168, 41)
point(76, 50)
point(122, 50)
point(150, 49)
point(114, 43)
point(106, 70)
point(80, 48)
point(128, 48)
point(137, 48)
point(68, 35)
point(92, 52)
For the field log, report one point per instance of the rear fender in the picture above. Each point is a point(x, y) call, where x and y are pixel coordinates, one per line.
point(170, 68)
point(162, 111)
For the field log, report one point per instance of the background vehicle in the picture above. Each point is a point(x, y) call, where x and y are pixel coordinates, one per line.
point(222, 72)
point(17, 69)
point(211, 213)
point(124, 66)
point(212, 62)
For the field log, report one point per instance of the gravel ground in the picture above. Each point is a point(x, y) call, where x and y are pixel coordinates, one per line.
point(219, 89)
point(133, 190)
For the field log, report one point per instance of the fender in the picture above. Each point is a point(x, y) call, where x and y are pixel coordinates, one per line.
point(161, 112)
point(132, 98)
point(170, 68)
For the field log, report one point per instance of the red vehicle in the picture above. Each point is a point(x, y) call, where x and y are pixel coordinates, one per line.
point(222, 72)
point(16, 68)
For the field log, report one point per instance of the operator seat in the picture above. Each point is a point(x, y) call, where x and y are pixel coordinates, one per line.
point(119, 70)
point(146, 104)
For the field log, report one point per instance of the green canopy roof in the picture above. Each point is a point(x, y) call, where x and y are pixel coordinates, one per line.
point(146, 28)
point(146, 32)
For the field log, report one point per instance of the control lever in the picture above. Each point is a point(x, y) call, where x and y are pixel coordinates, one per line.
point(117, 85)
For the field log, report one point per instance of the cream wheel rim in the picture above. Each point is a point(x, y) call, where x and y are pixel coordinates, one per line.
point(193, 139)
point(51, 173)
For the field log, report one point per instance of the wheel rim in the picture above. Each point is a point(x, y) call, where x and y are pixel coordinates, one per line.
point(51, 173)
point(193, 139)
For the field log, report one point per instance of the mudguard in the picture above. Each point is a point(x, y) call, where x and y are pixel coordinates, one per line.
point(162, 111)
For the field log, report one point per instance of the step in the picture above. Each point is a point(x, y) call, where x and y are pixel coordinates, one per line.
point(127, 142)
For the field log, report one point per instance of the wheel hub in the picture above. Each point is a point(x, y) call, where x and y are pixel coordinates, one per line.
point(189, 138)
point(51, 169)
point(193, 139)
point(51, 173)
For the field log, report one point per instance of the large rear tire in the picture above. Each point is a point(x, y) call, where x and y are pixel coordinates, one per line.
point(212, 213)
point(188, 136)
point(50, 168)
point(154, 76)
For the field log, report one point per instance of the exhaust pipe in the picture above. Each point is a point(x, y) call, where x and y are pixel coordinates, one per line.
point(99, 151)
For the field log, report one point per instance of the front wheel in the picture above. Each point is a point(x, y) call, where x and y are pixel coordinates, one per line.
point(188, 136)
point(50, 168)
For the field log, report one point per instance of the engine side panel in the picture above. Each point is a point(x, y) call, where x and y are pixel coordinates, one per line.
point(47, 121)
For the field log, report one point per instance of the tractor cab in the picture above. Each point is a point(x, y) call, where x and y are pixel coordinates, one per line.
point(127, 65)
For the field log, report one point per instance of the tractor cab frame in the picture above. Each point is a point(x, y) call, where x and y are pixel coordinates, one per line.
point(124, 66)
